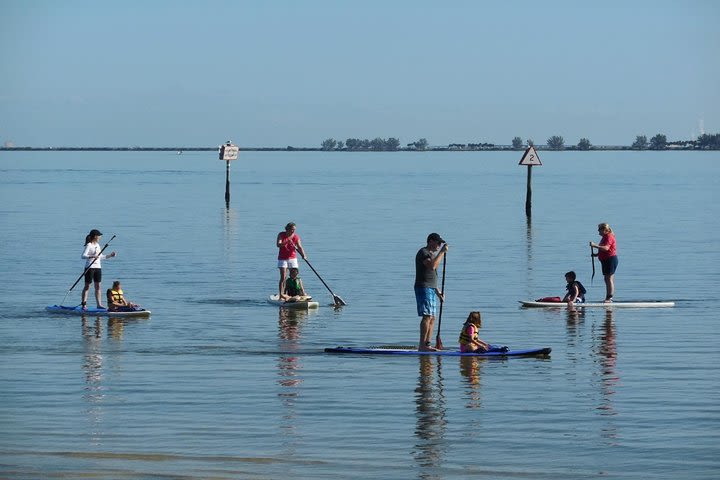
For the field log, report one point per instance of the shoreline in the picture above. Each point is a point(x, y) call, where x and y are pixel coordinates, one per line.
point(180, 150)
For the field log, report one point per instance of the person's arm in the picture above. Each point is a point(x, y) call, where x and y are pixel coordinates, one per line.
point(302, 288)
point(572, 294)
point(280, 240)
point(603, 245)
point(433, 262)
point(111, 302)
point(283, 295)
point(299, 248)
point(476, 340)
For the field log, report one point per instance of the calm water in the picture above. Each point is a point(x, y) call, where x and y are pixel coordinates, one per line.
point(219, 384)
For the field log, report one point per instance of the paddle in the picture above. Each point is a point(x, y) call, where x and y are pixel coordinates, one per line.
point(593, 263)
point(339, 302)
point(438, 342)
point(87, 268)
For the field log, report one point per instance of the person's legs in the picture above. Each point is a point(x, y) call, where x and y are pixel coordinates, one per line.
point(426, 305)
point(98, 300)
point(281, 285)
point(609, 265)
point(609, 286)
point(85, 291)
point(426, 329)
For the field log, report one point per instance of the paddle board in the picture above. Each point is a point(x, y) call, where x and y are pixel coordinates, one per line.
point(530, 352)
point(302, 305)
point(140, 312)
point(530, 303)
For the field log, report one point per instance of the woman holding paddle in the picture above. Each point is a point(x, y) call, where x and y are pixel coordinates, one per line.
point(607, 254)
point(93, 269)
point(288, 242)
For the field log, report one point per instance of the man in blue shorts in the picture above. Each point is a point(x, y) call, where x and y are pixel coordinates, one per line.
point(426, 291)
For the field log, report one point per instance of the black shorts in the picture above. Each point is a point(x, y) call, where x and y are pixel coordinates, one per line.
point(609, 265)
point(93, 275)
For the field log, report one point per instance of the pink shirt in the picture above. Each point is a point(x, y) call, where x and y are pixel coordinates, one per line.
point(608, 240)
point(472, 331)
point(287, 251)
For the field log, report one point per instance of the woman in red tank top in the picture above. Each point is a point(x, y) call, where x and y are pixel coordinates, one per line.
point(287, 242)
point(607, 254)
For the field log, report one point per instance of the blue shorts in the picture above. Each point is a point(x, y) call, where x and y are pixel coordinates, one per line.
point(609, 265)
point(427, 301)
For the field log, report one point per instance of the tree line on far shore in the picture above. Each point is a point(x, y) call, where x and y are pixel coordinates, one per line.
point(556, 142)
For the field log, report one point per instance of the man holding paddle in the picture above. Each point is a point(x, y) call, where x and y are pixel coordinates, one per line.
point(426, 291)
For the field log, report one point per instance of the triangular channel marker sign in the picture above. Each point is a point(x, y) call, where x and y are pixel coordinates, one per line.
point(530, 157)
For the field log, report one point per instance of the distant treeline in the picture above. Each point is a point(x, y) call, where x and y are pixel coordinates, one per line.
point(392, 144)
point(556, 142)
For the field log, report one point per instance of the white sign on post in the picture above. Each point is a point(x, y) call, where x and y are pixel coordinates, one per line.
point(229, 152)
point(530, 157)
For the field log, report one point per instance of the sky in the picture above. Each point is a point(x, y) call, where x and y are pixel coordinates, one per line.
point(156, 73)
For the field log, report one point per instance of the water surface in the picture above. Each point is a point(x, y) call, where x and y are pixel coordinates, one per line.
point(219, 384)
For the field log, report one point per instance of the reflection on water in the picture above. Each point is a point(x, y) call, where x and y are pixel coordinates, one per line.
point(470, 370)
point(116, 326)
point(93, 370)
point(289, 335)
point(529, 243)
point(431, 417)
point(609, 378)
point(288, 369)
point(230, 230)
point(575, 320)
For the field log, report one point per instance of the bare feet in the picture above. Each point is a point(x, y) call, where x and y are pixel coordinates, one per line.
point(427, 348)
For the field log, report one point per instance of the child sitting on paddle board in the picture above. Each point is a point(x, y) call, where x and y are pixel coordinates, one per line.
point(469, 340)
point(116, 299)
point(575, 290)
point(294, 290)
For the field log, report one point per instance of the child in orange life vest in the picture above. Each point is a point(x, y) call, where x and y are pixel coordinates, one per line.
point(294, 290)
point(469, 340)
point(116, 299)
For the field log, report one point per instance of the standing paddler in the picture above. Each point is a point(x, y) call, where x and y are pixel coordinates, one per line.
point(427, 261)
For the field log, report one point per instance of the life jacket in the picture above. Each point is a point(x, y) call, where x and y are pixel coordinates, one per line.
point(292, 287)
point(464, 338)
point(581, 289)
point(117, 296)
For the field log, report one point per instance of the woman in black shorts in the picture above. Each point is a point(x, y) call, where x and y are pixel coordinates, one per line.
point(93, 274)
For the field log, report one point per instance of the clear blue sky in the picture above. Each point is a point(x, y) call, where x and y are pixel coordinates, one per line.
point(278, 73)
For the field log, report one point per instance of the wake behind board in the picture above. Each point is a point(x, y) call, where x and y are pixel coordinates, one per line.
point(652, 304)
point(103, 312)
point(304, 305)
point(530, 352)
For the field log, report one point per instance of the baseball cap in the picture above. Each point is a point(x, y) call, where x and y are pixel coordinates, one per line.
point(436, 237)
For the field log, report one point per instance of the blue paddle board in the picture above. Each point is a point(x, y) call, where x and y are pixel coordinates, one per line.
point(530, 352)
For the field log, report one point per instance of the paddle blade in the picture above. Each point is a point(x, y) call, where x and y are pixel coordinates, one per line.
point(339, 302)
point(438, 343)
